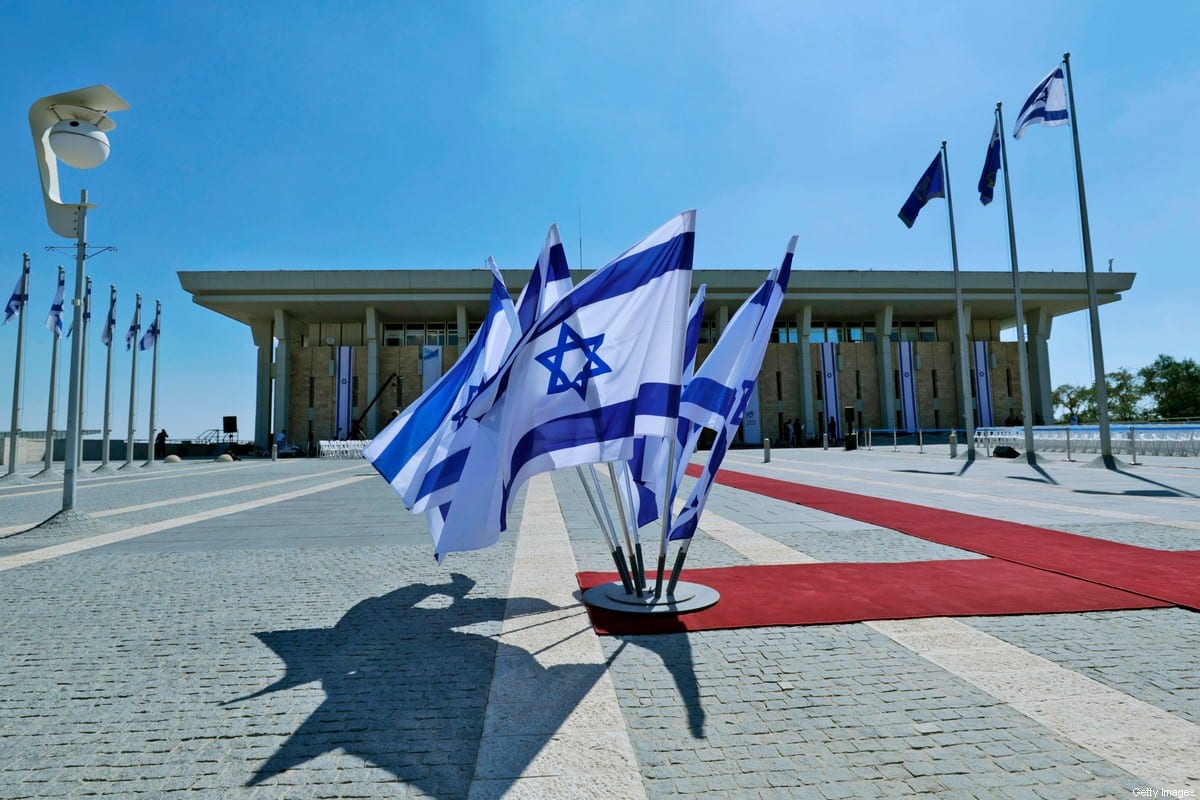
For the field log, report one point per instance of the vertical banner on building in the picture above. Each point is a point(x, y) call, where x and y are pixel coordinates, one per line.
point(833, 400)
point(431, 366)
point(908, 386)
point(983, 384)
point(343, 403)
point(751, 424)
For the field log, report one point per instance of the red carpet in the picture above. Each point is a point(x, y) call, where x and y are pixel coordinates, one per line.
point(814, 594)
point(1160, 574)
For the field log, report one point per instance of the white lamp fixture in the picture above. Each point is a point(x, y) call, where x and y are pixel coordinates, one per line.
point(71, 126)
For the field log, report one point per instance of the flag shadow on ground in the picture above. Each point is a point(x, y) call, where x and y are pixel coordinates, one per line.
point(407, 684)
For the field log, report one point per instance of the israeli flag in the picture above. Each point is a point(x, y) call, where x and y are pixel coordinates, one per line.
point(343, 391)
point(646, 472)
point(135, 325)
point(908, 386)
point(1047, 105)
point(423, 446)
point(600, 368)
point(551, 279)
point(20, 295)
point(991, 166)
point(829, 389)
point(983, 384)
point(733, 364)
point(110, 323)
point(151, 338)
point(54, 319)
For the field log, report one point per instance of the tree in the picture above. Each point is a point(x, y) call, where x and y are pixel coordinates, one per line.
point(1073, 399)
point(1125, 396)
point(1173, 386)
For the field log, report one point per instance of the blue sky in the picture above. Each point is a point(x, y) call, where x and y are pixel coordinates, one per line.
point(302, 135)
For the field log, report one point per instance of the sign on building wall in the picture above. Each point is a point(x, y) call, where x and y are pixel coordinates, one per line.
point(751, 423)
point(829, 389)
point(343, 407)
point(983, 384)
point(908, 386)
point(431, 366)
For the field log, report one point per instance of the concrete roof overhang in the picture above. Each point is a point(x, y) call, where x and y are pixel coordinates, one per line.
point(340, 295)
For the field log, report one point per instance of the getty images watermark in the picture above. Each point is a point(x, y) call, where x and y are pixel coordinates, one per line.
point(1149, 791)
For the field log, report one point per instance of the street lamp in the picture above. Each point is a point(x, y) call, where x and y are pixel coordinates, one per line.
point(72, 127)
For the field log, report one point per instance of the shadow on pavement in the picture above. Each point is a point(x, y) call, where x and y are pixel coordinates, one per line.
point(406, 687)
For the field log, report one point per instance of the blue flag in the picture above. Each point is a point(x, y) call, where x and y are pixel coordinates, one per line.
point(110, 323)
point(932, 184)
point(991, 165)
point(551, 279)
point(1047, 105)
point(135, 326)
point(87, 309)
point(54, 319)
point(150, 339)
point(20, 295)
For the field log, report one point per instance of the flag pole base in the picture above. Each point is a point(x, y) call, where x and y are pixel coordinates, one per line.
point(687, 597)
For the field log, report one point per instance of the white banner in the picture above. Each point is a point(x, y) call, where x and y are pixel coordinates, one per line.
point(343, 405)
point(431, 366)
point(829, 377)
point(908, 386)
point(751, 425)
point(983, 385)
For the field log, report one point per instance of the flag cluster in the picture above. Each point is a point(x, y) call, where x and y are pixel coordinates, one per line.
point(568, 376)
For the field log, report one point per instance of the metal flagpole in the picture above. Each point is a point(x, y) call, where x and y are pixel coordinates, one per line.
point(153, 431)
point(614, 544)
point(1022, 352)
point(15, 427)
point(638, 576)
point(108, 326)
point(1106, 453)
point(48, 457)
point(87, 318)
point(137, 314)
point(634, 569)
point(74, 388)
point(964, 363)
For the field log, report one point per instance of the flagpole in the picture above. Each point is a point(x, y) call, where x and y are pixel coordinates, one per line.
point(48, 456)
point(133, 385)
point(112, 302)
point(74, 391)
point(614, 544)
point(153, 385)
point(14, 427)
point(634, 568)
point(87, 317)
point(1022, 352)
point(1106, 453)
point(637, 577)
point(964, 365)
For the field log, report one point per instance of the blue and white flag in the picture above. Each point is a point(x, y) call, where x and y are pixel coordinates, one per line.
point(19, 297)
point(983, 384)
point(830, 394)
point(1047, 105)
point(908, 386)
point(135, 326)
point(343, 391)
point(646, 472)
point(991, 166)
point(551, 279)
point(87, 309)
point(726, 380)
point(600, 368)
point(54, 319)
point(932, 184)
point(110, 322)
point(151, 337)
point(421, 452)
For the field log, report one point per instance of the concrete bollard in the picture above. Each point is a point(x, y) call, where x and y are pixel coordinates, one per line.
point(1133, 445)
point(953, 444)
point(824, 441)
point(274, 452)
point(766, 451)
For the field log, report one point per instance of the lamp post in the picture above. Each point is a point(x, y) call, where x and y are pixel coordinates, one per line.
point(71, 127)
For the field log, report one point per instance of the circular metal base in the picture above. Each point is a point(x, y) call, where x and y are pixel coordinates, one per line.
point(687, 597)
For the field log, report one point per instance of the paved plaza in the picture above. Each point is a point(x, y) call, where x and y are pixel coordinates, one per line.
point(263, 629)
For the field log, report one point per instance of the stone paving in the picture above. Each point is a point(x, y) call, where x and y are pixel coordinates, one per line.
point(280, 630)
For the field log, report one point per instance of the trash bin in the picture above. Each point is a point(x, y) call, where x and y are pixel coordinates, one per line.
point(852, 441)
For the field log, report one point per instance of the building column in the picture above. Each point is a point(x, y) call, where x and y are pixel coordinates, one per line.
point(260, 329)
point(1041, 392)
point(283, 336)
point(883, 351)
point(804, 355)
point(722, 319)
point(966, 402)
point(372, 325)
point(461, 315)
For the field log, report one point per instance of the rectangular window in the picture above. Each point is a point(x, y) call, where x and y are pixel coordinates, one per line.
point(414, 334)
point(354, 392)
point(816, 334)
point(393, 335)
point(868, 331)
point(927, 331)
point(854, 333)
point(908, 332)
point(933, 374)
point(896, 383)
point(937, 418)
point(820, 385)
point(833, 334)
point(857, 385)
point(1008, 380)
point(435, 333)
point(312, 391)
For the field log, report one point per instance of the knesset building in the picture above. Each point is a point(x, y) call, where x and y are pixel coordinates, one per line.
point(385, 326)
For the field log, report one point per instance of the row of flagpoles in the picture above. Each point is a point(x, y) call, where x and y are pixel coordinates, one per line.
point(571, 376)
point(16, 308)
point(1052, 103)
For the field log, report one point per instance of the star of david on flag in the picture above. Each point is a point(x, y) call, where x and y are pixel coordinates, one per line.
point(570, 341)
point(54, 318)
point(1046, 105)
point(135, 326)
point(19, 296)
point(636, 307)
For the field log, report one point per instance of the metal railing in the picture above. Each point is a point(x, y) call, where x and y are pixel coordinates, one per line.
point(1131, 439)
point(349, 448)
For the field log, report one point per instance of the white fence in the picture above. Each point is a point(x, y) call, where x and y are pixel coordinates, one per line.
point(350, 448)
point(1127, 439)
